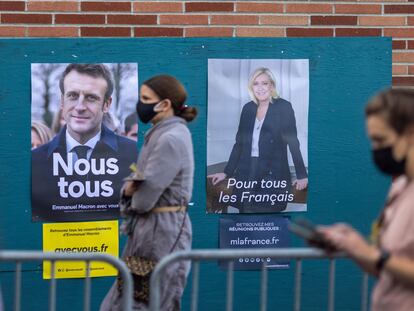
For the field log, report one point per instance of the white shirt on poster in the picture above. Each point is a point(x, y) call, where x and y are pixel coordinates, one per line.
point(256, 135)
point(72, 143)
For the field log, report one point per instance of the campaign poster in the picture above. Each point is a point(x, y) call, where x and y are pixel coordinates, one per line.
point(80, 237)
point(254, 231)
point(83, 143)
point(257, 135)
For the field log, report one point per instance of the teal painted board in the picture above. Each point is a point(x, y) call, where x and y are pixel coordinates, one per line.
point(344, 185)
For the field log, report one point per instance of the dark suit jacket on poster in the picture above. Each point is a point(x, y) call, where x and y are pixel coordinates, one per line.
point(277, 133)
point(109, 163)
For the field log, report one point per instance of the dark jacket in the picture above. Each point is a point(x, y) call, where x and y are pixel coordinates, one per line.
point(278, 131)
point(111, 159)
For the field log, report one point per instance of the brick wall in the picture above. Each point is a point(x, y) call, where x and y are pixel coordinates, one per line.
point(121, 18)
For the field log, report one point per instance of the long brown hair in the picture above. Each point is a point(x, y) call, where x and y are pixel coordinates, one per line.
point(168, 87)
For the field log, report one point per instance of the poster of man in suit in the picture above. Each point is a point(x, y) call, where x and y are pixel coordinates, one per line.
point(257, 135)
point(79, 155)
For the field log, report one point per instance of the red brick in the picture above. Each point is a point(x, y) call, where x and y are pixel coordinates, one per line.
point(355, 32)
point(333, 20)
point(52, 6)
point(105, 32)
point(399, 70)
point(209, 7)
point(52, 32)
point(403, 81)
point(410, 69)
point(357, 9)
point(103, 6)
point(259, 32)
point(309, 32)
point(403, 57)
point(234, 20)
point(132, 19)
point(26, 18)
point(209, 32)
point(398, 9)
point(9, 31)
point(154, 7)
point(284, 20)
point(259, 7)
point(79, 19)
point(158, 32)
point(399, 32)
point(399, 44)
point(410, 20)
point(410, 44)
point(308, 8)
point(11, 6)
point(381, 20)
point(184, 19)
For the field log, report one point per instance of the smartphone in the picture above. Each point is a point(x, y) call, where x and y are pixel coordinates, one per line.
point(307, 230)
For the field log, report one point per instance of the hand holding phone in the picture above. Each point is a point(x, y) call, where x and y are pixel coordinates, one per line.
point(307, 230)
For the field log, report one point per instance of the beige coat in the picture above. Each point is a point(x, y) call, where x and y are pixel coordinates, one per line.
point(167, 163)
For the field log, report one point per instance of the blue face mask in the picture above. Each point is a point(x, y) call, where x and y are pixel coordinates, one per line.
point(146, 111)
point(386, 163)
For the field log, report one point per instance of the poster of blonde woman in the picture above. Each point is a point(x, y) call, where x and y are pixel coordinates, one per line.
point(257, 135)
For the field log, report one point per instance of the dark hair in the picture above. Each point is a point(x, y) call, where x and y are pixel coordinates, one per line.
point(168, 87)
point(93, 70)
point(130, 120)
point(396, 106)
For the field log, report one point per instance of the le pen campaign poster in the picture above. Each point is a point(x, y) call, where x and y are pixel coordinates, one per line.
point(257, 135)
point(254, 231)
point(80, 237)
point(82, 148)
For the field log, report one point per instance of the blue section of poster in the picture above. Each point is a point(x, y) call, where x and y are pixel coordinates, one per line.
point(264, 231)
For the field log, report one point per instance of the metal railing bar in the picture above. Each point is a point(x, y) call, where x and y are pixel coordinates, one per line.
point(17, 286)
point(331, 289)
point(52, 288)
point(87, 290)
point(123, 270)
point(230, 284)
point(195, 285)
point(298, 284)
point(263, 287)
point(364, 292)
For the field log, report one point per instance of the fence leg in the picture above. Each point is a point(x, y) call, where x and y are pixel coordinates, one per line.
point(87, 290)
point(331, 290)
point(230, 273)
point(298, 284)
point(263, 288)
point(195, 284)
point(52, 289)
point(17, 286)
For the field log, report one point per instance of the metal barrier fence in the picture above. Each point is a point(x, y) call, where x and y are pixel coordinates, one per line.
point(228, 255)
point(23, 256)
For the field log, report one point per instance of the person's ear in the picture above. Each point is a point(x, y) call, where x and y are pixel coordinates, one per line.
point(107, 104)
point(61, 101)
point(163, 105)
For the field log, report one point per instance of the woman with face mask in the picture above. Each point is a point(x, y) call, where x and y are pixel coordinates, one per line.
point(267, 127)
point(390, 126)
point(155, 197)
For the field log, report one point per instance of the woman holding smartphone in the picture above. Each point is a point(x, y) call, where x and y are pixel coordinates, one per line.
point(390, 126)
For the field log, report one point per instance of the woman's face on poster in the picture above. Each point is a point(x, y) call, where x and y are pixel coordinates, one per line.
point(262, 87)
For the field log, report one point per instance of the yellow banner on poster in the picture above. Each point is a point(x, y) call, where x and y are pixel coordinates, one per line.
point(80, 237)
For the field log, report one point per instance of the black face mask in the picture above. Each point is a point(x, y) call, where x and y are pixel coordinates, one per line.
point(386, 163)
point(146, 111)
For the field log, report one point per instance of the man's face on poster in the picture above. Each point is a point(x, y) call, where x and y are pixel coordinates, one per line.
point(83, 104)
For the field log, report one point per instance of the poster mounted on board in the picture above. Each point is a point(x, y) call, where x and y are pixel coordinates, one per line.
point(257, 135)
point(254, 231)
point(80, 237)
point(82, 117)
